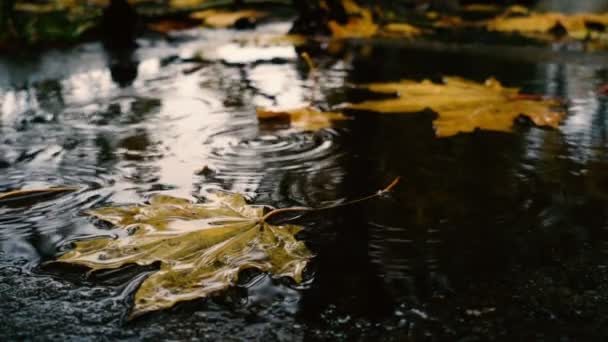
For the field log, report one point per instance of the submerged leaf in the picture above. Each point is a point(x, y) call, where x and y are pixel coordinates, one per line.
point(306, 118)
point(201, 247)
point(462, 105)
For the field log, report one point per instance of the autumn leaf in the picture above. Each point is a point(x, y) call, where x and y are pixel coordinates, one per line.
point(221, 19)
point(577, 26)
point(307, 118)
point(462, 105)
point(201, 248)
point(401, 30)
point(360, 24)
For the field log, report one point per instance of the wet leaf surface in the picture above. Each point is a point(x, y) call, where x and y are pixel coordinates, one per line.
point(201, 247)
point(464, 106)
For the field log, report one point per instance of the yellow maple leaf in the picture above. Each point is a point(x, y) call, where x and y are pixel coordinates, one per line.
point(575, 25)
point(462, 105)
point(360, 24)
point(201, 248)
point(306, 118)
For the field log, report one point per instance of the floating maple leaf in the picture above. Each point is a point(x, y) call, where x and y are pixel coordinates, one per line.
point(307, 118)
point(463, 106)
point(578, 26)
point(360, 24)
point(201, 247)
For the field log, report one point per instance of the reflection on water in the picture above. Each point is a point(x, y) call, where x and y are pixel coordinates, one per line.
point(487, 230)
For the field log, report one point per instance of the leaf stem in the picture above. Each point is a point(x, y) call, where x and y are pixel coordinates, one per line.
point(307, 209)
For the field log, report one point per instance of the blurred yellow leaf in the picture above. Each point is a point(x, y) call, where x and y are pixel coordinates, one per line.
point(186, 3)
point(401, 29)
point(462, 105)
point(360, 22)
point(578, 26)
point(220, 19)
point(307, 118)
point(355, 28)
point(201, 248)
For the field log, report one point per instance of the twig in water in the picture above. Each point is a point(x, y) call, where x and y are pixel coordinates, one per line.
point(306, 209)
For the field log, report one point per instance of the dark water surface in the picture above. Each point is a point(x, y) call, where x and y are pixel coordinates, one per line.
point(489, 235)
